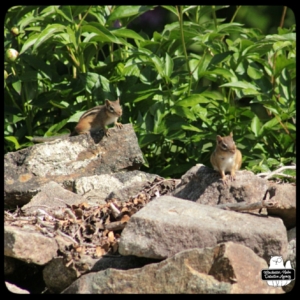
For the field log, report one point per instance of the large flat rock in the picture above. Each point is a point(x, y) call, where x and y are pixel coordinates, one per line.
point(168, 225)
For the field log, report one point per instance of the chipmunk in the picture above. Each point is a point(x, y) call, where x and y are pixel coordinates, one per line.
point(92, 120)
point(226, 157)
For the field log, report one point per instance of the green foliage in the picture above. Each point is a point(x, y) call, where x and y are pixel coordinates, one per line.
point(197, 78)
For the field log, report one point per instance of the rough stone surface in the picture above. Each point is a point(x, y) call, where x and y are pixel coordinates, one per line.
point(168, 225)
point(67, 159)
point(291, 256)
point(225, 268)
point(119, 185)
point(133, 183)
point(122, 262)
point(31, 247)
point(203, 185)
point(292, 247)
point(179, 274)
point(51, 196)
point(239, 265)
point(285, 196)
point(58, 276)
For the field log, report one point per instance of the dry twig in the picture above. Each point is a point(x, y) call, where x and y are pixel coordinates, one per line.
point(278, 172)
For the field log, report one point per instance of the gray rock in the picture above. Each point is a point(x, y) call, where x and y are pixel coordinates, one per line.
point(285, 196)
point(57, 276)
point(52, 196)
point(225, 268)
point(168, 225)
point(121, 185)
point(178, 274)
point(64, 160)
point(29, 246)
point(203, 185)
point(291, 255)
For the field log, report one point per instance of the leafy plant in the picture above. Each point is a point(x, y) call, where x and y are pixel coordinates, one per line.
point(197, 78)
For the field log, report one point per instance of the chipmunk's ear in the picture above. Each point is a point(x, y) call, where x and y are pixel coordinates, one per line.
point(219, 138)
point(107, 102)
point(231, 134)
point(118, 100)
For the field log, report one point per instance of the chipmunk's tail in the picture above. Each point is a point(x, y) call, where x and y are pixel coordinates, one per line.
point(41, 139)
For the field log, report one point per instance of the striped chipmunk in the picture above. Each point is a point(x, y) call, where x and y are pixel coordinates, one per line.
point(226, 157)
point(92, 120)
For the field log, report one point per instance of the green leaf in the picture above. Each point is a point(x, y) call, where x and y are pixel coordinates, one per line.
point(93, 81)
point(171, 9)
point(13, 140)
point(282, 62)
point(104, 34)
point(29, 42)
point(272, 162)
point(121, 11)
point(75, 117)
point(183, 112)
point(284, 86)
point(56, 127)
point(145, 56)
point(17, 85)
point(240, 85)
point(222, 57)
point(127, 33)
point(255, 125)
point(283, 37)
point(218, 71)
point(66, 12)
point(148, 139)
point(191, 128)
point(71, 36)
point(254, 73)
point(168, 65)
point(48, 33)
point(192, 101)
point(230, 27)
point(38, 64)
point(146, 94)
point(175, 135)
point(57, 104)
point(269, 125)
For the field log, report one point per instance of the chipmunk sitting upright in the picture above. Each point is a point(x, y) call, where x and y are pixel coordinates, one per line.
point(93, 120)
point(226, 157)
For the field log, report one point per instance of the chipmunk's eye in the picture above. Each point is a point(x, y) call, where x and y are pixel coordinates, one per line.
point(111, 109)
point(224, 146)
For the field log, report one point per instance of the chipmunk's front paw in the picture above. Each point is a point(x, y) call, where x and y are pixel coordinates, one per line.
point(119, 125)
point(106, 132)
point(232, 177)
point(224, 180)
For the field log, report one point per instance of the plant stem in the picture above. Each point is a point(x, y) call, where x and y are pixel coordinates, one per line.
point(82, 19)
point(200, 61)
point(235, 13)
point(283, 17)
point(180, 14)
point(232, 19)
point(214, 16)
point(111, 48)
